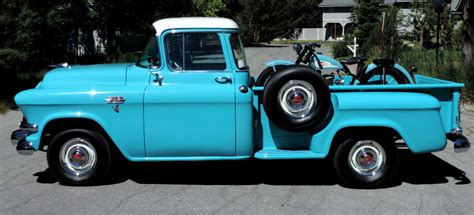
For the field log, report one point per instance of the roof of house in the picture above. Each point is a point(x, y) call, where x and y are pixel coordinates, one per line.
point(193, 22)
point(351, 3)
point(456, 5)
point(337, 3)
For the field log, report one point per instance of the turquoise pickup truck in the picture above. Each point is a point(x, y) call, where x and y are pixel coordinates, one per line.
point(190, 97)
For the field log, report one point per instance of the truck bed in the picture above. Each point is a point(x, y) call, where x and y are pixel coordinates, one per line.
point(413, 110)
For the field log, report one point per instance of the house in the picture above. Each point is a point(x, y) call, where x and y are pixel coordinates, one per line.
point(336, 19)
point(457, 6)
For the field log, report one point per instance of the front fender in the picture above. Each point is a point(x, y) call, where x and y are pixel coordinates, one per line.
point(327, 62)
point(124, 126)
point(128, 152)
point(274, 63)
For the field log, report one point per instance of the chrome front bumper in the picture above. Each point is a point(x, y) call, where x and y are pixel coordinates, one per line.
point(18, 138)
point(461, 143)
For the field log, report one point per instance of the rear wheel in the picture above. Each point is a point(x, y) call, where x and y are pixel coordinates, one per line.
point(79, 157)
point(297, 99)
point(366, 161)
point(379, 75)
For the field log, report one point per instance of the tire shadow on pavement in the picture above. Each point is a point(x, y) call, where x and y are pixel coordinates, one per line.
point(428, 169)
point(414, 169)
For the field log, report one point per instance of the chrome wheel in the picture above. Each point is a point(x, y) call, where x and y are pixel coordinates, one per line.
point(78, 157)
point(297, 98)
point(367, 158)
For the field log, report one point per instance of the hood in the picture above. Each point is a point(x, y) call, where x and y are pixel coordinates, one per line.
point(88, 75)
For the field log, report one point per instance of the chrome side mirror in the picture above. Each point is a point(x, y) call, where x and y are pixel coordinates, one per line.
point(150, 62)
point(158, 78)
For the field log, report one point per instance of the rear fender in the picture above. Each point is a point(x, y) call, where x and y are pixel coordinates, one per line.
point(414, 116)
point(396, 66)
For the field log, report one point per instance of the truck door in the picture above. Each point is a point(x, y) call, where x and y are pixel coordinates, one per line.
point(192, 112)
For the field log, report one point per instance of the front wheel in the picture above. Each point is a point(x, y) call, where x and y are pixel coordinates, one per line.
point(366, 161)
point(79, 157)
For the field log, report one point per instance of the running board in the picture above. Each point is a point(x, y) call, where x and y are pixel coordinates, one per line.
point(270, 154)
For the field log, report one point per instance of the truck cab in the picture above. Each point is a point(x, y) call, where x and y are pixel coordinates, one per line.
point(195, 89)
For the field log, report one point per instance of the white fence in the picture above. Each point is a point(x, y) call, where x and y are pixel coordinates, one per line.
point(312, 34)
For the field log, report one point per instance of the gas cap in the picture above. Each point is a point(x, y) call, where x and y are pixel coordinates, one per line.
point(243, 89)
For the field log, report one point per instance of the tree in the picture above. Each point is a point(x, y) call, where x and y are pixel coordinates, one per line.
point(264, 20)
point(468, 32)
point(209, 8)
point(388, 43)
point(424, 22)
point(366, 16)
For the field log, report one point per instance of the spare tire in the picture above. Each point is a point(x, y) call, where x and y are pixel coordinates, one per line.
point(297, 99)
point(267, 73)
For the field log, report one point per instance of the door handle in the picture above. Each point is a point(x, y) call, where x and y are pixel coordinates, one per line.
point(223, 80)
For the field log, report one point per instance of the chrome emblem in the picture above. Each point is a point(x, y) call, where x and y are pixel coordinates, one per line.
point(116, 100)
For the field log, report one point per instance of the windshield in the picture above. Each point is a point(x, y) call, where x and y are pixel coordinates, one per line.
point(238, 50)
point(150, 53)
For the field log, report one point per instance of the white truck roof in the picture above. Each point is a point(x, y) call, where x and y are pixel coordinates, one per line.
point(193, 22)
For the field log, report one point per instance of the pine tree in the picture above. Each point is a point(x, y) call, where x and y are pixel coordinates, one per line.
point(264, 20)
point(386, 44)
point(366, 16)
point(468, 32)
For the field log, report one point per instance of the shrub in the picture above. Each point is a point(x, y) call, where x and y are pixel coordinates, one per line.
point(340, 50)
point(450, 67)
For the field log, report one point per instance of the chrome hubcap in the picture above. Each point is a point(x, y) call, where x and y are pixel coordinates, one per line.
point(297, 98)
point(367, 157)
point(78, 157)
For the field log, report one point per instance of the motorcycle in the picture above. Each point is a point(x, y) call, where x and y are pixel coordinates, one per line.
point(380, 71)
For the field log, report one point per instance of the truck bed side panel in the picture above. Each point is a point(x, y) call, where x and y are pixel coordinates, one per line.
point(417, 118)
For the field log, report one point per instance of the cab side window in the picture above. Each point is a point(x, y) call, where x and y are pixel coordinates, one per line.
point(195, 52)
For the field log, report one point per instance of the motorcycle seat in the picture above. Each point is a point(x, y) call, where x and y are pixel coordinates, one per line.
point(384, 62)
point(354, 60)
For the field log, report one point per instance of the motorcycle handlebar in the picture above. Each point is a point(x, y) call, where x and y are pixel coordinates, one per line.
point(317, 45)
point(305, 53)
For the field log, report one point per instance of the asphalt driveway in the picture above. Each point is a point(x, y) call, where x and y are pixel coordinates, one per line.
point(430, 183)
